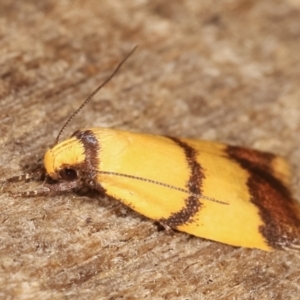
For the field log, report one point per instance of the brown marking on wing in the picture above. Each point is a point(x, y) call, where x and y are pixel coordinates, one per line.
point(91, 147)
point(278, 210)
point(88, 169)
point(192, 203)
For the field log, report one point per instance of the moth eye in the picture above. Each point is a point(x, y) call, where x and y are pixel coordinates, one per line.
point(68, 174)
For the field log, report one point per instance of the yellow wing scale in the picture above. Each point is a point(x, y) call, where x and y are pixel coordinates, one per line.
point(125, 153)
point(236, 224)
point(282, 170)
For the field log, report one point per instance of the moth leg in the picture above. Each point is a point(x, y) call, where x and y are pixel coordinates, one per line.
point(25, 177)
point(49, 189)
point(167, 228)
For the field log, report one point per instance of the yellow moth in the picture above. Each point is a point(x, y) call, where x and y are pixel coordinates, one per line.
point(227, 194)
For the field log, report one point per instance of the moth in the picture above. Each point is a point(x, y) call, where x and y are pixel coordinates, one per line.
point(224, 193)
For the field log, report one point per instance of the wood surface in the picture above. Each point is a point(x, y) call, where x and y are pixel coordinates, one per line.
point(226, 71)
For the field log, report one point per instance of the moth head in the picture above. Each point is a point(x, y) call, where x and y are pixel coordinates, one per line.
point(63, 160)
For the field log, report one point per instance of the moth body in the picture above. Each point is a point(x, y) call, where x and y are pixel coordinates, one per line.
point(171, 180)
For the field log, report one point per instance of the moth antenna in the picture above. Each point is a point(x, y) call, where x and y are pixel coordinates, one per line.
point(162, 184)
point(93, 94)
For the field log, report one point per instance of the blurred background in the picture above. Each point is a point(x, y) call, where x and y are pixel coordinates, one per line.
point(226, 71)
